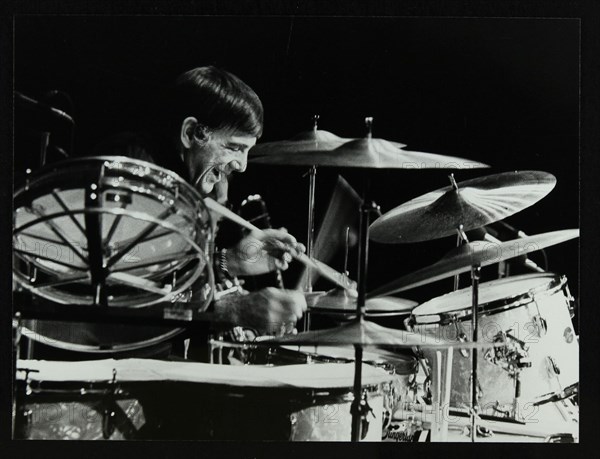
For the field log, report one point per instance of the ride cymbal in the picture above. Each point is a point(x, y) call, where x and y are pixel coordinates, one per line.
point(472, 204)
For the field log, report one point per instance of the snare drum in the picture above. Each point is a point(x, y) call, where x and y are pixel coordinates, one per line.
point(113, 231)
point(532, 313)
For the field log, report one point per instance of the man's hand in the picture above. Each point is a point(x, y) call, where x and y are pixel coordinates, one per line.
point(261, 253)
point(270, 311)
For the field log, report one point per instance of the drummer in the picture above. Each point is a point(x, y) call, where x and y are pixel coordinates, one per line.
point(210, 123)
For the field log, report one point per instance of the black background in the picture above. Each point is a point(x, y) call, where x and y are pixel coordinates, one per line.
point(501, 91)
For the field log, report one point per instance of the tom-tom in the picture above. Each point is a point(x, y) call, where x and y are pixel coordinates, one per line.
point(110, 231)
point(532, 314)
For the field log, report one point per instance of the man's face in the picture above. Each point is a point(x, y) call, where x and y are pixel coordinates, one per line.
point(213, 160)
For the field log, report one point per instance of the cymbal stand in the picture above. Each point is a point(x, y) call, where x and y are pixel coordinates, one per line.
point(475, 276)
point(312, 183)
point(360, 407)
point(461, 237)
point(16, 355)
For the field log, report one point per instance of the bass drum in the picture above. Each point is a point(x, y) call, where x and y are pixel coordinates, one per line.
point(533, 314)
point(197, 401)
point(110, 231)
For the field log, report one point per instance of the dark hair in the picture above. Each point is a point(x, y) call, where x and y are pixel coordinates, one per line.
point(218, 99)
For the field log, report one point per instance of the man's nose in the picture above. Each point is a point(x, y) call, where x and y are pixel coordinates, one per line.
point(239, 165)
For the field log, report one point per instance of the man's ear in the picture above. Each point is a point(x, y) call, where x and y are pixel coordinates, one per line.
point(186, 134)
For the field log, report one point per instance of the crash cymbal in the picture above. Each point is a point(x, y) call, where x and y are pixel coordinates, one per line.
point(483, 253)
point(369, 153)
point(313, 140)
point(367, 333)
point(472, 204)
point(338, 301)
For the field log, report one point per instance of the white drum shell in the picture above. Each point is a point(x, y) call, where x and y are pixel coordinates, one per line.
point(554, 354)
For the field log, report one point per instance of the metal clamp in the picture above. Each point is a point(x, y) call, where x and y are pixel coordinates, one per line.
point(461, 335)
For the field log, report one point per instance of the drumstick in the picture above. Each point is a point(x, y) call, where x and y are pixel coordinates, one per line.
point(325, 271)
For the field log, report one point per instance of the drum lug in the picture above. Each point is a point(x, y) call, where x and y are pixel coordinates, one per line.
point(479, 388)
point(108, 424)
point(364, 409)
point(108, 414)
point(552, 365)
point(24, 423)
point(541, 325)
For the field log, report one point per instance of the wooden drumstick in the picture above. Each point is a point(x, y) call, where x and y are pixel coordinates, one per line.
point(326, 271)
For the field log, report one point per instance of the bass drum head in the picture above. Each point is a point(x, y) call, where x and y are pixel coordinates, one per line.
point(132, 225)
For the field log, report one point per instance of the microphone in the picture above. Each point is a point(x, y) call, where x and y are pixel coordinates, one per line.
point(32, 103)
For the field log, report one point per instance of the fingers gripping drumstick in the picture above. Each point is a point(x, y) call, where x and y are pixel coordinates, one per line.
point(326, 271)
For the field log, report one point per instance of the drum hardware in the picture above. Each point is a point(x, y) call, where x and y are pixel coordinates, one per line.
point(312, 180)
point(24, 416)
point(461, 237)
point(541, 325)
point(566, 393)
point(460, 334)
point(108, 414)
point(511, 357)
point(362, 409)
point(553, 366)
point(16, 342)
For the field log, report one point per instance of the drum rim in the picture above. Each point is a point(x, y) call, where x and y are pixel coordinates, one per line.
point(200, 255)
point(41, 172)
point(555, 282)
point(75, 347)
